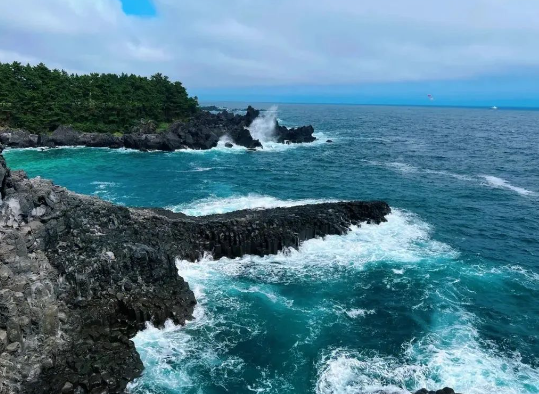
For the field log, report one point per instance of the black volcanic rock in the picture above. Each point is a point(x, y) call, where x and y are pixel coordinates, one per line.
point(241, 136)
point(100, 140)
point(62, 136)
point(202, 131)
point(445, 390)
point(18, 138)
point(144, 141)
point(251, 115)
point(80, 276)
point(298, 135)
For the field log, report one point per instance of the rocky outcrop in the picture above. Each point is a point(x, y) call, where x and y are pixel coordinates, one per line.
point(80, 276)
point(100, 140)
point(445, 390)
point(298, 135)
point(202, 131)
point(18, 138)
point(62, 136)
point(72, 293)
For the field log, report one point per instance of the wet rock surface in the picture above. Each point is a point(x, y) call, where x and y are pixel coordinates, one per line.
point(445, 390)
point(202, 131)
point(80, 276)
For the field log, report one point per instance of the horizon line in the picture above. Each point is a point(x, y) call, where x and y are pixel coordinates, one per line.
point(494, 108)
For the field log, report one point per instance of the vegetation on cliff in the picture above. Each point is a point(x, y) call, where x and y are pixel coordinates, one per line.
point(38, 99)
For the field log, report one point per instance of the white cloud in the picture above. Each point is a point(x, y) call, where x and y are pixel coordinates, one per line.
point(215, 43)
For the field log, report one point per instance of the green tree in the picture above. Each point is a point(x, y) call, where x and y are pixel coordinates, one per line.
point(38, 99)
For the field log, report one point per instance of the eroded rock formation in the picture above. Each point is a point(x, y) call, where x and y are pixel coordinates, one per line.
point(80, 276)
point(202, 131)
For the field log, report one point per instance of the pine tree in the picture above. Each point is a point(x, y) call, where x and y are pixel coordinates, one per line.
point(39, 100)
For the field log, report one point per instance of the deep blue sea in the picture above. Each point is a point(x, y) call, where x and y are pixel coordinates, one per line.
point(446, 293)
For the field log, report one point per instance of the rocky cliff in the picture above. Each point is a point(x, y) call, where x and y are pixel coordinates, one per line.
point(202, 131)
point(80, 276)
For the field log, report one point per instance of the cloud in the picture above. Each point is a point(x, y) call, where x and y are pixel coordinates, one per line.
point(213, 43)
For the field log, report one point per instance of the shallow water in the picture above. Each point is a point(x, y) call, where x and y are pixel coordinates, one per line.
point(444, 293)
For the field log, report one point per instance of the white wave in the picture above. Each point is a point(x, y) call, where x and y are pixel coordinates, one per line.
point(453, 357)
point(270, 295)
point(401, 240)
point(103, 185)
point(452, 354)
point(375, 139)
point(191, 347)
point(272, 146)
point(268, 147)
point(342, 372)
point(105, 190)
point(503, 184)
point(450, 174)
point(214, 205)
point(263, 127)
point(402, 167)
point(407, 168)
point(457, 357)
point(394, 165)
point(510, 272)
point(491, 181)
point(355, 313)
point(11, 149)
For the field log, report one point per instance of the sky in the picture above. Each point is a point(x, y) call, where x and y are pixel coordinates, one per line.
point(462, 52)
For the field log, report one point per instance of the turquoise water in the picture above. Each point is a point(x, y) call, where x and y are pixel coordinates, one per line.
point(444, 293)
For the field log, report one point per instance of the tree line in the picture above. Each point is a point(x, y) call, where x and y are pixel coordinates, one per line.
point(38, 99)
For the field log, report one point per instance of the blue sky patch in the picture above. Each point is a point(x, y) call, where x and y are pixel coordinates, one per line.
point(139, 7)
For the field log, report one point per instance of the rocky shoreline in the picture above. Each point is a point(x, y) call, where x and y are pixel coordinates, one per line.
point(203, 131)
point(80, 276)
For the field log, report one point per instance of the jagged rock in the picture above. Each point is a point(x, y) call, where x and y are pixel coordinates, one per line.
point(13, 347)
point(202, 131)
point(329, 141)
point(298, 135)
point(251, 115)
point(144, 141)
point(62, 136)
point(242, 137)
point(3, 340)
point(67, 388)
point(18, 139)
point(229, 145)
point(100, 140)
point(80, 276)
point(445, 390)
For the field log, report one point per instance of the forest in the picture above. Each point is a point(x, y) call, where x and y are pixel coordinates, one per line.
point(38, 99)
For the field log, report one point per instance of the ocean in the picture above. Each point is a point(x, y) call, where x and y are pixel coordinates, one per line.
point(443, 294)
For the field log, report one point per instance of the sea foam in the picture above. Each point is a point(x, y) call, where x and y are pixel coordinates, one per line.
point(215, 205)
point(503, 184)
point(450, 353)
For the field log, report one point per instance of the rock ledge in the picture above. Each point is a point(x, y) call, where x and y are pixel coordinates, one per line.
point(80, 276)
